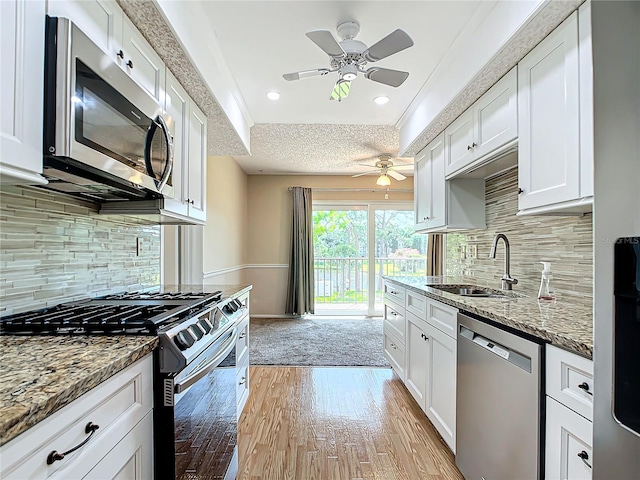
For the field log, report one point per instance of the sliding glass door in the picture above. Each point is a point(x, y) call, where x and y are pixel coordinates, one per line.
point(354, 246)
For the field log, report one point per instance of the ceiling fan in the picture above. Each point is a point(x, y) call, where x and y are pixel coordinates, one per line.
point(350, 57)
point(386, 168)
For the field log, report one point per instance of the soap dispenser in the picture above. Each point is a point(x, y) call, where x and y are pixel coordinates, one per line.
point(546, 291)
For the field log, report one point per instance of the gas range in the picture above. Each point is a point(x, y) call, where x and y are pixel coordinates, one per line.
point(186, 323)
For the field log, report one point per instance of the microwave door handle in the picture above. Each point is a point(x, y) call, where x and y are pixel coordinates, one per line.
point(211, 365)
point(156, 123)
point(168, 168)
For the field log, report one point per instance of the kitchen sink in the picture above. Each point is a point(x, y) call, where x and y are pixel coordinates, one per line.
point(475, 291)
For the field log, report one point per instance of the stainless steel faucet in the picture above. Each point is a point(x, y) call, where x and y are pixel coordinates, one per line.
point(507, 280)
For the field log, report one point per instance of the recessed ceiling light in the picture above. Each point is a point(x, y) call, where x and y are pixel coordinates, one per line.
point(381, 100)
point(273, 95)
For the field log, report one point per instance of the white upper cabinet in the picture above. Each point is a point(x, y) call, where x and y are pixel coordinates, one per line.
point(553, 173)
point(189, 130)
point(101, 20)
point(106, 24)
point(484, 130)
point(429, 186)
point(141, 61)
point(21, 91)
point(197, 164)
point(177, 106)
point(442, 205)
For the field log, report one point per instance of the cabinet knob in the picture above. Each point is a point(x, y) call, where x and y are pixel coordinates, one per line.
point(520, 191)
point(130, 64)
point(468, 147)
point(585, 386)
point(120, 54)
point(243, 381)
point(425, 218)
point(584, 456)
point(473, 145)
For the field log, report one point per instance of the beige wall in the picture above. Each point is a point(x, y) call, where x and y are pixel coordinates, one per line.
point(269, 212)
point(225, 234)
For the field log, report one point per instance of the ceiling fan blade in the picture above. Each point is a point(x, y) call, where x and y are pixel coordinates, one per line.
point(305, 74)
point(393, 78)
point(366, 173)
point(395, 42)
point(340, 90)
point(398, 176)
point(325, 40)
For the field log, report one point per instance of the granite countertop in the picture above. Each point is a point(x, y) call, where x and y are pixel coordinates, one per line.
point(564, 323)
point(40, 375)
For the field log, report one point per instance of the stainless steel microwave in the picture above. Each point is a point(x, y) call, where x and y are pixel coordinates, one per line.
point(105, 137)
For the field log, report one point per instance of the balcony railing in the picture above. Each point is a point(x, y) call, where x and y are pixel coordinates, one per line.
point(345, 281)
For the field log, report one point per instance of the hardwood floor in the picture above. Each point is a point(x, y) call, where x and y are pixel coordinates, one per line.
point(304, 423)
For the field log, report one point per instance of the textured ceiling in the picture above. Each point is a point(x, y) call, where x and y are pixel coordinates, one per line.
point(320, 149)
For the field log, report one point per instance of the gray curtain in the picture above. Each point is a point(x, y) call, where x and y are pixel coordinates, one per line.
point(434, 254)
point(300, 295)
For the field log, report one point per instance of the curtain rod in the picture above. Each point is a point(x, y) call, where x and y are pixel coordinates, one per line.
point(386, 190)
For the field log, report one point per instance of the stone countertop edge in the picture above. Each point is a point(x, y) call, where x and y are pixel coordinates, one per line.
point(39, 379)
point(32, 393)
point(564, 324)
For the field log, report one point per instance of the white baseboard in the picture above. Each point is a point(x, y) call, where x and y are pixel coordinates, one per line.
point(280, 315)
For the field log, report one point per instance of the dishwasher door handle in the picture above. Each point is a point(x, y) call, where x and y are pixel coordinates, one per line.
point(507, 354)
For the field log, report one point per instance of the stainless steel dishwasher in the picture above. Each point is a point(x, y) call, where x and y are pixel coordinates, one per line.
point(498, 403)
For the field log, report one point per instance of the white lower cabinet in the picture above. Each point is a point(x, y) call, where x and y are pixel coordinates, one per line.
point(417, 359)
point(440, 401)
point(431, 373)
point(569, 431)
point(123, 444)
point(131, 458)
point(568, 444)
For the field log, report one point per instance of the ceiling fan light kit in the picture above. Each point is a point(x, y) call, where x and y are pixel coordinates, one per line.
point(350, 57)
point(383, 180)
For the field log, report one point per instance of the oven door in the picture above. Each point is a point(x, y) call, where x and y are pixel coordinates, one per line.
point(195, 416)
point(100, 117)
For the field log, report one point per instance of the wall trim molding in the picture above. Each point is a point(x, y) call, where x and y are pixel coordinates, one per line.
point(279, 315)
point(222, 271)
point(267, 265)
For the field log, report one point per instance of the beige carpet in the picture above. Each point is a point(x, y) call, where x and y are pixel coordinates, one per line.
point(317, 341)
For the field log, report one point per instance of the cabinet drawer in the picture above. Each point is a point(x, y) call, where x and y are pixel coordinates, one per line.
point(395, 322)
point(570, 380)
point(242, 385)
point(568, 443)
point(242, 344)
point(115, 405)
point(443, 317)
point(394, 292)
point(416, 303)
point(394, 353)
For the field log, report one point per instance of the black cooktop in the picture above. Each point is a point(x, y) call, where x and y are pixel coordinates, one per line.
point(137, 313)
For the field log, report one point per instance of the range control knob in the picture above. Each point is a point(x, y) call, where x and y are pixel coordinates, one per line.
point(205, 324)
point(239, 303)
point(184, 339)
point(230, 307)
point(196, 331)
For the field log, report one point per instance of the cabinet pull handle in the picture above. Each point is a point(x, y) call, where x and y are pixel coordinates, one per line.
point(424, 337)
point(474, 145)
point(130, 64)
point(468, 147)
point(90, 428)
point(584, 456)
point(393, 345)
point(242, 335)
point(585, 386)
point(243, 381)
point(120, 54)
point(520, 191)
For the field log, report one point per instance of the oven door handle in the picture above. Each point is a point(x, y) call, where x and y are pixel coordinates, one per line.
point(228, 344)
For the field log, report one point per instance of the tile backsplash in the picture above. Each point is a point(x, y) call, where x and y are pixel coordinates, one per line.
point(55, 248)
point(565, 241)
